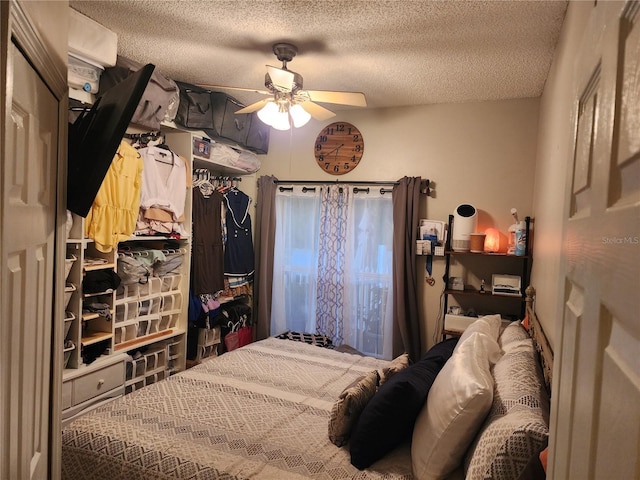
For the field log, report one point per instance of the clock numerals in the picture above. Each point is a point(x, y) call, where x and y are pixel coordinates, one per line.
point(347, 166)
point(357, 148)
point(338, 128)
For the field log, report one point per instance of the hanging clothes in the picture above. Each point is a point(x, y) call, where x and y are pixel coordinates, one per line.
point(164, 187)
point(112, 217)
point(238, 252)
point(164, 181)
point(207, 256)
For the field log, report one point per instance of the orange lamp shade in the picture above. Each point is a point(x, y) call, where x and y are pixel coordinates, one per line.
point(492, 241)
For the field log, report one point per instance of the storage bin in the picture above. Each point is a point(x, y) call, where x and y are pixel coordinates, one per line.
point(134, 386)
point(68, 320)
point(171, 283)
point(126, 311)
point(173, 350)
point(152, 287)
point(143, 328)
point(68, 291)
point(128, 292)
point(136, 368)
point(83, 76)
point(67, 354)
point(171, 302)
point(169, 320)
point(91, 41)
point(68, 263)
point(154, 325)
point(130, 332)
point(150, 306)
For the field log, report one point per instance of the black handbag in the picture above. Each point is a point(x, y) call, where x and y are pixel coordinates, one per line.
point(195, 109)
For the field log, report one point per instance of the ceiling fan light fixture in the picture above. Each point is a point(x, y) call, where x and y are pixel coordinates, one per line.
point(268, 113)
point(281, 117)
point(299, 115)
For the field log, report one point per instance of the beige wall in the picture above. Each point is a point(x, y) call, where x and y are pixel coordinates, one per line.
point(478, 153)
point(554, 152)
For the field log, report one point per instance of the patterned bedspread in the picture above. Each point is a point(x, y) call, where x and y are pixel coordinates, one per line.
point(257, 412)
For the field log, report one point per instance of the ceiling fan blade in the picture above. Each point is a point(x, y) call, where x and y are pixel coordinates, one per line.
point(241, 89)
point(253, 107)
point(355, 99)
point(316, 111)
point(281, 79)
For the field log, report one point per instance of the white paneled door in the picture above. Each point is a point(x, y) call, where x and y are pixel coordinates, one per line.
point(596, 419)
point(28, 216)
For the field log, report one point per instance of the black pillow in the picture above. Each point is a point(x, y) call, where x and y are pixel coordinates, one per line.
point(388, 418)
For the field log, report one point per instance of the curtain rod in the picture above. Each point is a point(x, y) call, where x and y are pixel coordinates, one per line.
point(336, 182)
point(424, 183)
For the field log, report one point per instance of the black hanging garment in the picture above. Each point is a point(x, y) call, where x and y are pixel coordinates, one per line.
point(207, 257)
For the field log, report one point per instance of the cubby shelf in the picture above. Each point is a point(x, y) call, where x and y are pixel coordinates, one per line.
point(89, 337)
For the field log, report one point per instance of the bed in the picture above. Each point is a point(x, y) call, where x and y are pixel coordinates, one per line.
point(261, 411)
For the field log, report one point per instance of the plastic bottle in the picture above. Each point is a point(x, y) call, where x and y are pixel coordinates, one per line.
point(512, 232)
point(521, 239)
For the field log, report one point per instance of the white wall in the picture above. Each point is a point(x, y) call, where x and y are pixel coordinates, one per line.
point(478, 153)
point(557, 125)
point(46, 13)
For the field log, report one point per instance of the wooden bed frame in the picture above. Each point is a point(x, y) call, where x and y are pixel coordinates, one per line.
point(540, 340)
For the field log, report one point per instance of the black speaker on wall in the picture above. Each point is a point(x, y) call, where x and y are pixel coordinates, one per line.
point(95, 136)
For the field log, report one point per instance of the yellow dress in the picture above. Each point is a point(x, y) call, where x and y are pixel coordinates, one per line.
point(112, 217)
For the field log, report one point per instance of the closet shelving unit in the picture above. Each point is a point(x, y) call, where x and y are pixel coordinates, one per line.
point(145, 339)
point(86, 385)
point(182, 142)
point(143, 342)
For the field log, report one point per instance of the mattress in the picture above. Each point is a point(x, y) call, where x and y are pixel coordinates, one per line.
point(258, 412)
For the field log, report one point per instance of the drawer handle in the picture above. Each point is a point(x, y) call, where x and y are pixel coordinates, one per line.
point(100, 382)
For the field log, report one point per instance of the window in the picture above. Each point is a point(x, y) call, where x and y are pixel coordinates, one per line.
point(332, 266)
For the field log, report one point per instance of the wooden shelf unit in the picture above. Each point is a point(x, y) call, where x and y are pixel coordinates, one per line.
point(508, 305)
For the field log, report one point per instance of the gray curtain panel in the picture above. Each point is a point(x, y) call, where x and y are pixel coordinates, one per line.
point(265, 233)
point(406, 322)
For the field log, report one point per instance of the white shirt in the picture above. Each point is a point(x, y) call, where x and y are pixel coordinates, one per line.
point(164, 181)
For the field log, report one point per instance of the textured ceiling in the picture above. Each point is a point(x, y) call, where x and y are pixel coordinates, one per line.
point(397, 53)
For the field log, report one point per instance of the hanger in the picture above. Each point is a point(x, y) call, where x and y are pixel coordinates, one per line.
point(147, 139)
point(162, 158)
point(202, 180)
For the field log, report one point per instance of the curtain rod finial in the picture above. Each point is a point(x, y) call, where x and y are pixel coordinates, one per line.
point(425, 186)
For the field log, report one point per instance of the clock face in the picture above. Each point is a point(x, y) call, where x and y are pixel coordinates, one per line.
point(339, 148)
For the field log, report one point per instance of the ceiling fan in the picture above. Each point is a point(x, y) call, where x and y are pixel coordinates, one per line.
point(287, 98)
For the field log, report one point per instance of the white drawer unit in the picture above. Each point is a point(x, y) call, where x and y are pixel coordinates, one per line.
point(98, 382)
point(89, 387)
point(67, 392)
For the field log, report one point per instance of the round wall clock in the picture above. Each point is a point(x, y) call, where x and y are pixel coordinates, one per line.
point(339, 148)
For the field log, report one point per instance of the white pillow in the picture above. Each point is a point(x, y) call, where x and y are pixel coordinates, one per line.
point(513, 335)
point(456, 407)
point(488, 325)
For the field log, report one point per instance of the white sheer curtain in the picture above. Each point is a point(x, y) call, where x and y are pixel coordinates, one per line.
point(332, 266)
point(295, 260)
